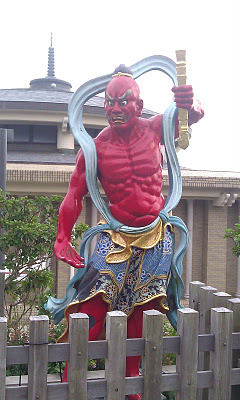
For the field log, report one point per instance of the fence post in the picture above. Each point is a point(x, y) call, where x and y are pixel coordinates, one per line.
point(38, 357)
point(194, 288)
point(2, 282)
point(3, 352)
point(221, 357)
point(206, 301)
point(220, 299)
point(115, 363)
point(187, 329)
point(78, 356)
point(152, 360)
point(205, 296)
point(234, 306)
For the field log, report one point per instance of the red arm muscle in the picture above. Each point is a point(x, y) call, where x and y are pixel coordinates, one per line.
point(69, 212)
point(196, 113)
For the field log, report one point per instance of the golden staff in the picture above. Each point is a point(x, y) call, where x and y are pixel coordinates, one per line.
point(183, 140)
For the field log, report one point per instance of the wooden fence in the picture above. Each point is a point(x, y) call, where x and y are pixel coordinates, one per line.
point(213, 351)
point(203, 299)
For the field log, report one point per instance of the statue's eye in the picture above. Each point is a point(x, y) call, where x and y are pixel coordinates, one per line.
point(110, 103)
point(123, 103)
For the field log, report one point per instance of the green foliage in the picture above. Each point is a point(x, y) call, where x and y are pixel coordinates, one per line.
point(17, 370)
point(234, 234)
point(96, 365)
point(56, 367)
point(168, 330)
point(21, 337)
point(41, 300)
point(55, 331)
point(29, 230)
point(169, 359)
point(170, 395)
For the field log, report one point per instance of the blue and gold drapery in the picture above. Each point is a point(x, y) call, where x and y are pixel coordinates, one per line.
point(84, 93)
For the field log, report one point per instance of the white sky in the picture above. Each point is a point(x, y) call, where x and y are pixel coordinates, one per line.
point(92, 37)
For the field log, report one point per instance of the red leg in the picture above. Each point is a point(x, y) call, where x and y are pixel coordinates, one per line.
point(97, 308)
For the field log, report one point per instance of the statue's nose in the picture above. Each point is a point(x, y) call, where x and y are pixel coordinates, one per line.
point(116, 107)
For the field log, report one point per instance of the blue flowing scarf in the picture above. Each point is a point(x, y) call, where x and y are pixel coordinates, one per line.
point(75, 110)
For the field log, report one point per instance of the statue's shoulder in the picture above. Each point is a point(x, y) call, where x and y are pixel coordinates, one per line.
point(102, 141)
point(155, 122)
point(143, 123)
point(103, 137)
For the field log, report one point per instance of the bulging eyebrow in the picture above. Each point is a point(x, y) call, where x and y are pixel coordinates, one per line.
point(121, 98)
point(125, 95)
point(109, 97)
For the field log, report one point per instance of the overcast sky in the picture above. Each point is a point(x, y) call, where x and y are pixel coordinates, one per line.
point(92, 37)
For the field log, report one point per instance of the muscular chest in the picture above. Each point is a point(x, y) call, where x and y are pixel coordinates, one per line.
point(141, 158)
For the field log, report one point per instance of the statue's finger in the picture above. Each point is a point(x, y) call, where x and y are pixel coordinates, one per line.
point(182, 88)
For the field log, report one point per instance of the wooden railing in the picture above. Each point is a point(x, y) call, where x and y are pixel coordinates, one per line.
point(189, 381)
point(203, 298)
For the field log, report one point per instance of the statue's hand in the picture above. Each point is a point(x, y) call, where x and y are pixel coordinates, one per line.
point(183, 96)
point(64, 251)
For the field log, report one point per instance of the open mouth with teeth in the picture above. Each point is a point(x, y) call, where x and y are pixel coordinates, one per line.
point(118, 119)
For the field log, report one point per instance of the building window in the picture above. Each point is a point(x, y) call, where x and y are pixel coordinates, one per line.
point(21, 133)
point(44, 134)
point(39, 134)
point(93, 132)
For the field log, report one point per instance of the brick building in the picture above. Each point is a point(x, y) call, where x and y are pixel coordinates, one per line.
point(42, 157)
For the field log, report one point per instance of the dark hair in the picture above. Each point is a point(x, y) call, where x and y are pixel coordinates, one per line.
point(124, 69)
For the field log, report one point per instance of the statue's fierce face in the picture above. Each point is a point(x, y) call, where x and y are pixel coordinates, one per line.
point(122, 102)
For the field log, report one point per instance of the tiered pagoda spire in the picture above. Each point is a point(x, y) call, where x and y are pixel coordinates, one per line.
point(51, 66)
point(50, 82)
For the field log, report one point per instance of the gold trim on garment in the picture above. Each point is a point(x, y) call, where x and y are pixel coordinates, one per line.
point(111, 273)
point(156, 277)
point(77, 302)
point(127, 241)
point(101, 292)
point(139, 275)
point(163, 297)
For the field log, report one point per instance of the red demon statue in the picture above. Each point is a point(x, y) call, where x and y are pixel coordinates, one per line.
point(126, 272)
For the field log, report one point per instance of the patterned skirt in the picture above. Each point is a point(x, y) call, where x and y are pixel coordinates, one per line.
point(140, 278)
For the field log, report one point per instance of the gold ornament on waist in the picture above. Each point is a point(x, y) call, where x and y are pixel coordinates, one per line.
point(127, 241)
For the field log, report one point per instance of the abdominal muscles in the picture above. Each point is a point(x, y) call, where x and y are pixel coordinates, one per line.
point(135, 203)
